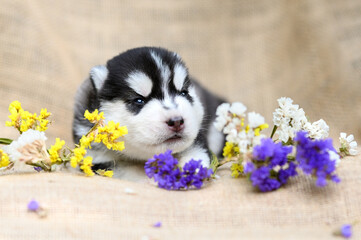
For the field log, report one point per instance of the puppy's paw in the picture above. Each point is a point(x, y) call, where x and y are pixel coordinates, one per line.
point(195, 153)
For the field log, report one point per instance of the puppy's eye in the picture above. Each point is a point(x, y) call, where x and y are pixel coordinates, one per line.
point(139, 101)
point(184, 93)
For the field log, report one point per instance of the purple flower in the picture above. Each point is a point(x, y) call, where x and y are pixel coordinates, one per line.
point(38, 169)
point(33, 205)
point(274, 153)
point(266, 157)
point(261, 178)
point(313, 158)
point(165, 171)
point(157, 224)
point(346, 231)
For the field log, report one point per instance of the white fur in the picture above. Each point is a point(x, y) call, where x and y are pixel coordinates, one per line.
point(180, 74)
point(164, 69)
point(99, 74)
point(196, 153)
point(215, 140)
point(148, 131)
point(140, 83)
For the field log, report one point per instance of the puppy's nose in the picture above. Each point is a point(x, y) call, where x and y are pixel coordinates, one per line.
point(176, 124)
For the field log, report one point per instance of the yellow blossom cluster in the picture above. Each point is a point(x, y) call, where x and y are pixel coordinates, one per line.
point(23, 120)
point(54, 151)
point(4, 159)
point(108, 134)
point(236, 170)
point(230, 150)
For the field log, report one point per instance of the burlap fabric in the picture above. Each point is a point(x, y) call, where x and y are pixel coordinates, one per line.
point(249, 51)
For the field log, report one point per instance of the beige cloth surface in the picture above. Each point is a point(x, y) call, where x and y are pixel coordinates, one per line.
point(80, 207)
point(253, 51)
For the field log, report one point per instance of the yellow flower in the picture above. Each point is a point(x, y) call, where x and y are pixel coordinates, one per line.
point(86, 166)
point(108, 135)
point(55, 149)
point(85, 141)
point(260, 128)
point(236, 169)
point(94, 116)
point(23, 120)
point(104, 173)
point(4, 159)
point(230, 150)
point(79, 154)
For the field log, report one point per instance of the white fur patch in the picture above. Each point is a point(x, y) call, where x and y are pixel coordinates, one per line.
point(98, 75)
point(215, 140)
point(180, 74)
point(163, 68)
point(196, 153)
point(140, 83)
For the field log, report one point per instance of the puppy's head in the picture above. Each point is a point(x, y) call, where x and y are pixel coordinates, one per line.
point(149, 91)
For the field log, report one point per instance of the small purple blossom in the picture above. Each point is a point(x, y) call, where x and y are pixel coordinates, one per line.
point(267, 157)
point(346, 230)
point(33, 205)
point(166, 172)
point(157, 224)
point(314, 158)
point(38, 169)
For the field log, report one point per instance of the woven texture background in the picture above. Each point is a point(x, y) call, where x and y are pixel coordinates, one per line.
point(252, 51)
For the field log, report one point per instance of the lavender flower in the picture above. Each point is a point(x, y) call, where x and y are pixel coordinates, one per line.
point(346, 231)
point(270, 168)
point(313, 157)
point(33, 205)
point(157, 224)
point(165, 171)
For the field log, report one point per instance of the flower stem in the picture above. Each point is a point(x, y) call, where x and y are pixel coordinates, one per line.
point(273, 131)
point(5, 141)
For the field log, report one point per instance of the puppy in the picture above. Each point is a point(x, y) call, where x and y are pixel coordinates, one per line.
point(150, 91)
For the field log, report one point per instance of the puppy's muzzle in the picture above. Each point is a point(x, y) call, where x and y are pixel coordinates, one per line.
point(176, 124)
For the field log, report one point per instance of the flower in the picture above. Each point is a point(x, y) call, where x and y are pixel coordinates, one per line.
point(29, 147)
point(270, 168)
point(236, 169)
point(95, 116)
point(166, 172)
point(157, 224)
point(230, 150)
point(86, 166)
point(288, 118)
point(55, 149)
point(317, 130)
point(79, 154)
point(105, 173)
point(261, 178)
point(4, 159)
point(346, 230)
point(109, 135)
point(348, 145)
point(313, 157)
point(23, 120)
point(33, 205)
point(238, 108)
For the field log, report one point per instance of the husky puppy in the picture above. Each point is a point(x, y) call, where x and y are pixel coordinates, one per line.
point(150, 91)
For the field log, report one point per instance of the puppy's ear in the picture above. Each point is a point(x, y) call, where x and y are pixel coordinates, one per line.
point(98, 75)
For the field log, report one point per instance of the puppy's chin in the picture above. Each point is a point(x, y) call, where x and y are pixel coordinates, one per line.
point(142, 150)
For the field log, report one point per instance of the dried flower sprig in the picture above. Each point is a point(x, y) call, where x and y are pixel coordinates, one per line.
point(270, 163)
point(30, 147)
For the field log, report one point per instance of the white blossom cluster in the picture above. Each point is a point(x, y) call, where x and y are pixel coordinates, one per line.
point(231, 121)
point(348, 144)
point(290, 118)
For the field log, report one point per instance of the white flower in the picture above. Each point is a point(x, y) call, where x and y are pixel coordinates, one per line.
point(29, 147)
point(238, 108)
point(219, 123)
point(348, 145)
point(334, 156)
point(232, 136)
point(222, 110)
point(317, 130)
point(243, 142)
point(255, 119)
point(299, 119)
point(285, 132)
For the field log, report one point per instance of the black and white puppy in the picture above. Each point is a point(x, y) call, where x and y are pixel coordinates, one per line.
point(150, 91)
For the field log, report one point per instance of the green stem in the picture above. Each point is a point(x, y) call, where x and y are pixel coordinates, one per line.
point(273, 131)
point(5, 141)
